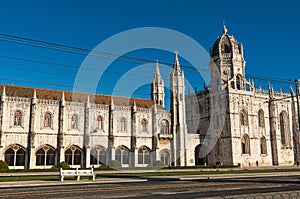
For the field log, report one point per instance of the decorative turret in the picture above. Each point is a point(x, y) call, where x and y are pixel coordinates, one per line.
point(134, 106)
point(227, 64)
point(157, 88)
point(112, 105)
point(177, 106)
point(63, 102)
point(34, 99)
point(176, 65)
point(88, 103)
point(3, 95)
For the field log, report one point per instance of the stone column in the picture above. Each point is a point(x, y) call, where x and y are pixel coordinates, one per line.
point(154, 135)
point(3, 98)
point(60, 136)
point(272, 120)
point(111, 139)
point(86, 138)
point(32, 133)
point(133, 151)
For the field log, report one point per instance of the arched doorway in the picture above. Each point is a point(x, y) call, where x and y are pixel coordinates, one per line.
point(199, 160)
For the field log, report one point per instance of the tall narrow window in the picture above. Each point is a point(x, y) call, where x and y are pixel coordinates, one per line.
point(144, 155)
point(122, 155)
point(239, 82)
point(40, 157)
point(245, 144)
point(74, 121)
point(122, 123)
point(50, 157)
point(263, 146)
point(261, 118)
point(18, 118)
point(165, 157)
point(243, 118)
point(73, 155)
point(47, 120)
point(10, 157)
point(144, 125)
point(284, 128)
point(45, 156)
point(98, 156)
point(164, 127)
point(100, 122)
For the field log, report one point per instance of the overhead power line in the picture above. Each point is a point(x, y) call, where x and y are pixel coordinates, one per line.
point(78, 50)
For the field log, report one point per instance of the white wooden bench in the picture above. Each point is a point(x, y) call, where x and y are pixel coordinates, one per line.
point(77, 173)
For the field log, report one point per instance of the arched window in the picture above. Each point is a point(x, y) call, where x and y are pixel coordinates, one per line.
point(244, 118)
point(45, 156)
point(165, 157)
point(239, 83)
point(263, 145)
point(164, 127)
point(73, 155)
point(98, 156)
point(261, 118)
point(15, 156)
point(40, 157)
point(284, 128)
point(74, 121)
point(50, 157)
point(245, 144)
point(10, 157)
point(100, 122)
point(122, 124)
point(144, 125)
point(144, 155)
point(48, 120)
point(18, 118)
point(122, 155)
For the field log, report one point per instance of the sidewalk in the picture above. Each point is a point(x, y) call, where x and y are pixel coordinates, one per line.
point(151, 171)
point(20, 184)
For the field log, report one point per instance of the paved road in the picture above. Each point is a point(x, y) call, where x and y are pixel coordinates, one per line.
point(162, 188)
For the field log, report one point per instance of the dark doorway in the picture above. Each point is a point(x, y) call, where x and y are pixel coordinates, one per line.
point(198, 160)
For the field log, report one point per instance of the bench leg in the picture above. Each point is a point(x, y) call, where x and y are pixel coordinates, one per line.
point(61, 178)
point(93, 177)
point(78, 178)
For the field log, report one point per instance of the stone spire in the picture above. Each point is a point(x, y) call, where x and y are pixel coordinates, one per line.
point(157, 87)
point(178, 115)
point(157, 73)
point(176, 66)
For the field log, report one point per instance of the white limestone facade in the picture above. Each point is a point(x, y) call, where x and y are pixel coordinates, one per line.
point(255, 126)
point(230, 122)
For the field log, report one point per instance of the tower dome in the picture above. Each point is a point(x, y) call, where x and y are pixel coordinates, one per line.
point(227, 63)
point(225, 44)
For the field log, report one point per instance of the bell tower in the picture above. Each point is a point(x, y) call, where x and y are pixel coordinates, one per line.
point(157, 88)
point(227, 64)
point(178, 114)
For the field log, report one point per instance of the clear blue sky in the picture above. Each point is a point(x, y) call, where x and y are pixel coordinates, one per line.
point(269, 31)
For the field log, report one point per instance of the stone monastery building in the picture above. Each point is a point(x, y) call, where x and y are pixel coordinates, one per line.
point(230, 122)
